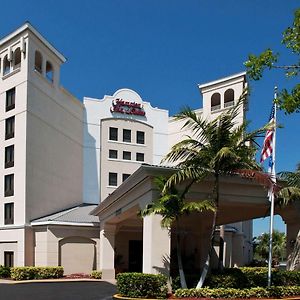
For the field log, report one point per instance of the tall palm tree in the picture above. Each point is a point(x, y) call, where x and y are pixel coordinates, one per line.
point(171, 205)
point(218, 147)
point(278, 243)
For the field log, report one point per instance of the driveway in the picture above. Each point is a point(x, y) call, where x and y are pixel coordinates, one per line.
point(76, 290)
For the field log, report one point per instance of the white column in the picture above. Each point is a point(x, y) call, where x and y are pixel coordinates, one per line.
point(107, 251)
point(156, 246)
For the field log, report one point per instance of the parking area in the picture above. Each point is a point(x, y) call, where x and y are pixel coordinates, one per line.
point(76, 290)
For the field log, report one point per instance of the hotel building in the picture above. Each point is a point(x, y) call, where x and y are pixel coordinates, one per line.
point(63, 159)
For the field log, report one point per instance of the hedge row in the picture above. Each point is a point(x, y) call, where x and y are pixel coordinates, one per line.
point(139, 285)
point(258, 292)
point(28, 273)
point(252, 277)
point(4, 272)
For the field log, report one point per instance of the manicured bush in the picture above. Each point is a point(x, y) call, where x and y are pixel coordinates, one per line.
point(139, 285)
point(28, 273)
point(258, 292)
point(252, 277)
point(4, 272)
point(96, 274)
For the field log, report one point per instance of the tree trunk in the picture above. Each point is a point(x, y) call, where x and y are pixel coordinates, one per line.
point(221, 248)
point(207, 262)
point(179, 258)
point(212, 235)
point(294, 258)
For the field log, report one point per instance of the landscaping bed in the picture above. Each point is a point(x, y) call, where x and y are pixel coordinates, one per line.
point(237, 283)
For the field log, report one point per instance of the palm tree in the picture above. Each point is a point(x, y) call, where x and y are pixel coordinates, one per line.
point(291, 192)
point(171, 205)
point(278, 245)
point(216, 148)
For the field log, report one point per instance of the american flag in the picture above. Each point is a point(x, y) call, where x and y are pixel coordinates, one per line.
point(267, 149)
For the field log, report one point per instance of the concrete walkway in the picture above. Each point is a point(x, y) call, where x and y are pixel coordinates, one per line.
point(64, 289)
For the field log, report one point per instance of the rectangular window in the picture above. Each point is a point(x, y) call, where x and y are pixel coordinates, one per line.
point(8, 259)
point(125, 176)
point(10, 99)
point(126, 155)
point(9, 185)
point(113, 153)
point(140, 137)
point(9, 156)
point(113, 134)
point(127, 135)
point(140, 157)
point(8, 213)
point(9, 128)
point(113, 179)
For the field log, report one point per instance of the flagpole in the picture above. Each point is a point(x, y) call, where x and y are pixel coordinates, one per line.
point(271, 192)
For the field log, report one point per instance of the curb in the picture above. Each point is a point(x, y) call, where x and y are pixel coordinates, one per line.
point(3, 281)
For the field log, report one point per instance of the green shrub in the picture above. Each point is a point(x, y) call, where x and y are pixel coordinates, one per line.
point(252, 277)
point(96, 274)
point(28, 273)
point(4, 272)
point(257, 292)
point(139, 285)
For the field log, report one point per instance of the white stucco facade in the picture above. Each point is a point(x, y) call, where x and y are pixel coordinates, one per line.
point(62, 158)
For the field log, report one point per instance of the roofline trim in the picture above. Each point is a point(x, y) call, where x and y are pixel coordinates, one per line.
point(28, 26)
point(85, 224)
point(234, 76)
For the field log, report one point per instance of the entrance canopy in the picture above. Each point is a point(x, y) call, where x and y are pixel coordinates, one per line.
point(240, 199)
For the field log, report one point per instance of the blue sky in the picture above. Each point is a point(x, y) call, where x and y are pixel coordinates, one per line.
point(163, 49)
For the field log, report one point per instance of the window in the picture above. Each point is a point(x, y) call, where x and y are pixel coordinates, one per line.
point(8, 258)
point(126, 155)
point(113, 179)
point(6, 65)
point(127, 135)
point(113, 133)
point(9, 128)
point(140, 137)
point(9, 156)
point(228, 98)
point(8, 213)
point(140, 157)
point(49, 71)
point(215, 101)
point(17, 58)
point(9, 185)
point(38, 61)
point(113, 154)
point(125, 176)
point(10, 99)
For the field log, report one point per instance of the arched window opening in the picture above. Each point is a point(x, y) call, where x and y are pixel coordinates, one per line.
point(229, 98)
point(49, 71)
point(6, 65)
point(17, 58)
point(215, 101)
point(38, 61)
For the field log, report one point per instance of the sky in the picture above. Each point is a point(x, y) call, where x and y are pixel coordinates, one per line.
point(163, 48)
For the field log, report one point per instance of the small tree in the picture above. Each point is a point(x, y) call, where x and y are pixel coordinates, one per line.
point(288, 101)
point(171, 205)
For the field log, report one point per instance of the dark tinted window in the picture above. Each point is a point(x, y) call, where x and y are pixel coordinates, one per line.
point(113, 133)
point(140, 137)
point(113, 179)
point(127, 135)
point(9, 156)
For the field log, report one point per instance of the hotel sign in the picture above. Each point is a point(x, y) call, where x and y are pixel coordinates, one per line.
point(126, 107)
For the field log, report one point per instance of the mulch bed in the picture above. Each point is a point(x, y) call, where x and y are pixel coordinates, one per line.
point(77, 276)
